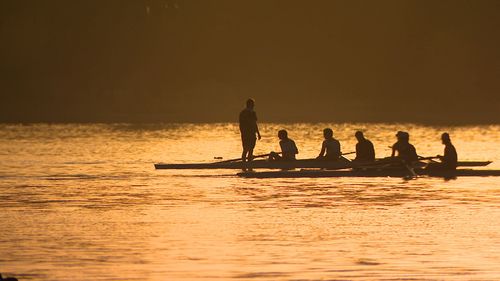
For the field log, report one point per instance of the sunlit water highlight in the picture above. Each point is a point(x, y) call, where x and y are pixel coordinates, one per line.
point(83, 202)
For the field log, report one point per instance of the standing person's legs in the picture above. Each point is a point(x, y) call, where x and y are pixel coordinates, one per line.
point(248, 146)
point(244, 144)
point(244, 154)
point(250, 155)
point(248, 143)
point(251, 146)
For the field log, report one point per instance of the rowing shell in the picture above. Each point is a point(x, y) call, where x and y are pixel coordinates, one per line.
point(297, 164)
point(400, 173)
point(261, 164)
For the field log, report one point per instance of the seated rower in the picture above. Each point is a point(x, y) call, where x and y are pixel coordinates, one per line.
point(330, 149)
point(406, 151)
point(288, 148)
point(364, 148)
point(450, 158)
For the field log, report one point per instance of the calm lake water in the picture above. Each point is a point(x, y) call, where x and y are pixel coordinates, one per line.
point(83, 202)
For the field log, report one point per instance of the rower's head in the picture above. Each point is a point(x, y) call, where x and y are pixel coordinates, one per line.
point(359, 136)
point(328, 133)
point(250, 103)
point(445, 138)
point(399, 134)
point(282, 134)
point(403, 136)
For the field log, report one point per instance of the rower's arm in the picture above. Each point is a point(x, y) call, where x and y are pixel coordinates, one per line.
point(323, 150)
point(339, 150)
point(256, 126)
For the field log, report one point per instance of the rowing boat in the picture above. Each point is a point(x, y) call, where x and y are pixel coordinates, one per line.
point(400, 173)
point(386, 167)
point(261, 164)
point(297, 164)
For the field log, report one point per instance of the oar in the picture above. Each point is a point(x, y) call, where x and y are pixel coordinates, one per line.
point(347, 153)
point(391, 161)
point(428, 158)
point(410, 169)
point(239, 159)
point(265, 155)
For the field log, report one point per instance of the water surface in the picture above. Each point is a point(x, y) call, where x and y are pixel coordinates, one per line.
point(83, 202)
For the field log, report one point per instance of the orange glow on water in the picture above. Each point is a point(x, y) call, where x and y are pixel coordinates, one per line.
point(84, 201)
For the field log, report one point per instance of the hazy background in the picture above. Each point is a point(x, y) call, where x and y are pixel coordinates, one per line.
point(196, 61)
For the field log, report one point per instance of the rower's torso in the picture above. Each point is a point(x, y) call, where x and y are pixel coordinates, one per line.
point(450, 157)
point(406, 151)
point(288, 148)
point(332, 148)
point(365, 151)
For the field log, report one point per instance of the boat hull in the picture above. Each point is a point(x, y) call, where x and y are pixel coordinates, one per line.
point(473, 163)
point(400, 173)
point(261, 164)
point(297, 164)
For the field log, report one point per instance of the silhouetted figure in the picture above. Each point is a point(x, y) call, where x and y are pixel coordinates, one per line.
point(449, 159)
point(7, 279)
point(288, 148)
point(249, 130)
point(364, 148)
point(330, 149)
point(406, 151)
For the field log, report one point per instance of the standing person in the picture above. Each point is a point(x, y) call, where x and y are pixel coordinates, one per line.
point(364, 148)
point(330, 149)
point(249, 130)
point(406, 151)
point(288, 148)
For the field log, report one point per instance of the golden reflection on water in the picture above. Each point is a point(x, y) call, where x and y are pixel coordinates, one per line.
point(83, 202)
